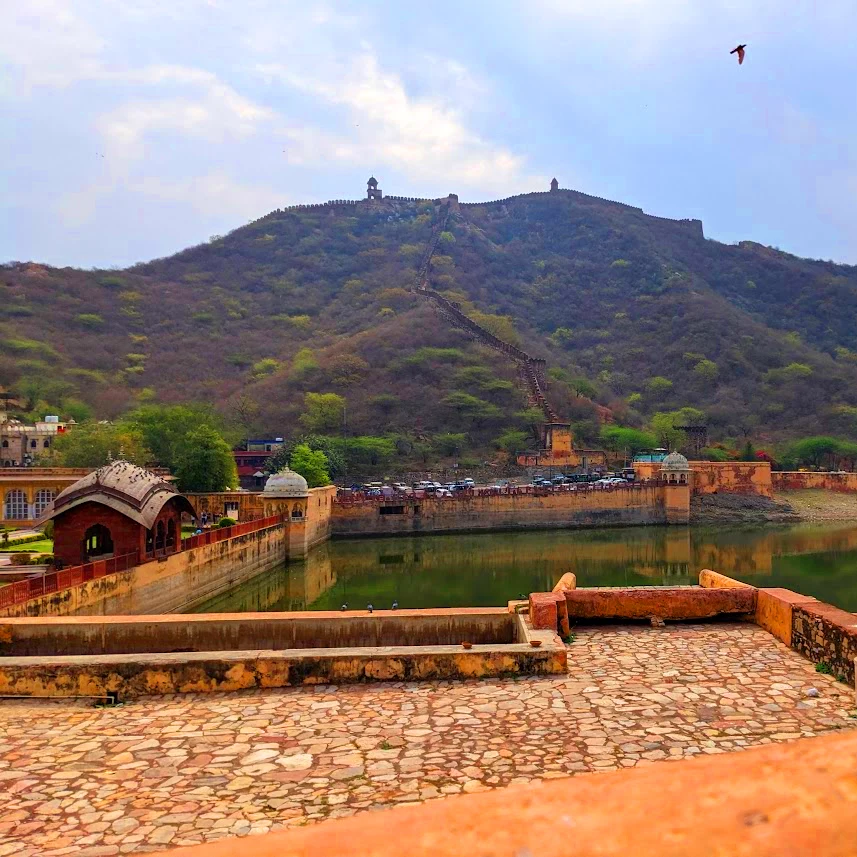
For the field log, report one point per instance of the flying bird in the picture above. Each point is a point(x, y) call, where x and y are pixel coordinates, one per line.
point(740, 51)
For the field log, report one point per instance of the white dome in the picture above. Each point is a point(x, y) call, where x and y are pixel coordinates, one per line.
point(286, 483)
point(675, 461)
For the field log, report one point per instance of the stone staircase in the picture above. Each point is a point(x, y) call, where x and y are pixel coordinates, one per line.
point(531, 370)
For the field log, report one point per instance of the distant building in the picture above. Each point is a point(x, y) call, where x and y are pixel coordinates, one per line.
point(554, 185)
point(118, 509)
point(372, 189)
point(21, 445)
point(559, 451)
point(252, 460)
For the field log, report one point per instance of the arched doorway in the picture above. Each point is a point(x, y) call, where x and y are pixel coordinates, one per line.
point(97, 543)
point(171, 534)
point(160, 537)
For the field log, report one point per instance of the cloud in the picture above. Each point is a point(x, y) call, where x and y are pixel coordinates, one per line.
point(215, 193)
point(426, 137)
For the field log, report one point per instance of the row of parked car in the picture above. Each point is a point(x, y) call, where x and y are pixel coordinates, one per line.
point(438, 489)
point(585, 479)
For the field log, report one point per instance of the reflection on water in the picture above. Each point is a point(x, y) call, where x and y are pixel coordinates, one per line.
point(492, 568)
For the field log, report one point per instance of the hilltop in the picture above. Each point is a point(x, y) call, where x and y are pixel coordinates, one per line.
point(631, 312)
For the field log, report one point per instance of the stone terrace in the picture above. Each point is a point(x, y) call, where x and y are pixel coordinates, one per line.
point(177, 770)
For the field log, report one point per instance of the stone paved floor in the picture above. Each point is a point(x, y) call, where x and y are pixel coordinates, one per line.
point(179, 770)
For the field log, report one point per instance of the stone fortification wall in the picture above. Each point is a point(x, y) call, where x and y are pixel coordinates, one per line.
point(630, 506)
point(797, 480)
point(170, 585)
point(711, 477)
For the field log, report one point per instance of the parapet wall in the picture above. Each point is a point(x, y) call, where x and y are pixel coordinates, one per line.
point(797, 480)
point(635, 505)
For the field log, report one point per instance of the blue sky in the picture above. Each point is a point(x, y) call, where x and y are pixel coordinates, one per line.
point(134, 128)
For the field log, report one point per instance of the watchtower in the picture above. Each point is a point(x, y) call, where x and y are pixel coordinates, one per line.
point(372, 189)
point(554, 185)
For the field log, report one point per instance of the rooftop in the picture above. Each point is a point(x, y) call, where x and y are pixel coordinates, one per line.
point(166, 771)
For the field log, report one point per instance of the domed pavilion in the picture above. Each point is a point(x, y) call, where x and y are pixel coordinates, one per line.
point(286, 493)
point(118, 509)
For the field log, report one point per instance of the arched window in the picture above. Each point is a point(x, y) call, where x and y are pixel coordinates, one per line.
point(297, 513)
point(150, 541)
point(44, 498)
point(33, 444)
point(159, 536)
point(5, 444)
point(171, 533)
point(97, 542)
point(17, 507)
point(47, 443)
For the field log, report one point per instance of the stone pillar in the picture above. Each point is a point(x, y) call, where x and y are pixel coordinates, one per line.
point(677, 502)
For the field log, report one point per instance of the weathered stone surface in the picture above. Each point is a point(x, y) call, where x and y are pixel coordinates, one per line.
point(774, 608)
point(631, 697)
point(709, 579)
point(826, 634)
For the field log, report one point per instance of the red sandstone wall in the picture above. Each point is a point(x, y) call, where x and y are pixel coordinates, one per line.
point(797, 480)
point(69, 530)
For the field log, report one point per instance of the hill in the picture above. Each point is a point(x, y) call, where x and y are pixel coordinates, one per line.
point(636, 313)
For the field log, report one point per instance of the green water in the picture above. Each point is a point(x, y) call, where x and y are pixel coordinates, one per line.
point(492, 568)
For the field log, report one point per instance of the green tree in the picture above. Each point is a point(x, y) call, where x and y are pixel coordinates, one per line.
point(583, 388)
point(323, 412)
point(472, 408)
point(94, 444)
point(311, 464)
point(165, 428)
point(706, 370)
point(204, 461)
point(449, 443)
point(512, 441)
point(620, 439)
point(333, 447)
point(669, 437)
point(814, 451)
point(658, 387)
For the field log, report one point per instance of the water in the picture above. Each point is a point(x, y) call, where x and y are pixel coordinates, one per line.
point(492, 568)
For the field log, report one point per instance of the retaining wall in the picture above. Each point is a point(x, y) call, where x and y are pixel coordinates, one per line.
point(796, 480)
point(170, 585)
point(609, 508)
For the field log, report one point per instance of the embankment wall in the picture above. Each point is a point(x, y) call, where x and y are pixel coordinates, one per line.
point(170, 585)
point(796, 480)
point(637, 505)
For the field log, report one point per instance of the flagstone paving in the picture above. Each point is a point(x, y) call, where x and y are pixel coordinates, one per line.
point(168, 771)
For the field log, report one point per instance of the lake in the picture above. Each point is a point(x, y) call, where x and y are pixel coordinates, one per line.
point(490, 569)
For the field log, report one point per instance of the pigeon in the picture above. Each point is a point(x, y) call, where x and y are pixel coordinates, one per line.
point(344, 606)
point(395, 605)
point(369, 607)
point(740, 51)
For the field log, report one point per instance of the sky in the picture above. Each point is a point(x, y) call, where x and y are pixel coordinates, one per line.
point(134, 128)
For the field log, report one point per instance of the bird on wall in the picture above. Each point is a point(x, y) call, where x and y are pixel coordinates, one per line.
point(740, 51)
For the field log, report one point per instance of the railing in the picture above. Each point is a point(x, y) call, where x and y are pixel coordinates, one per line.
point(56, 581)
point(218, 535)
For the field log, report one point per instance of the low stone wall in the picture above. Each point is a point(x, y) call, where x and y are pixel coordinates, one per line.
point(170, 585)
point(826, 635)
point(213, 632)
point(798, 480)
point(609, 508)
point(500, 643)
point(553, 610)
